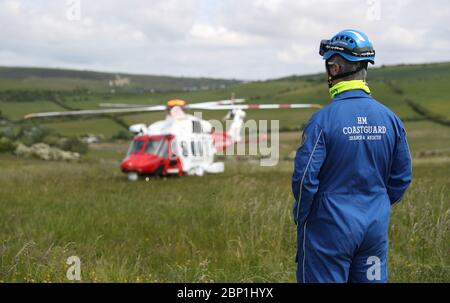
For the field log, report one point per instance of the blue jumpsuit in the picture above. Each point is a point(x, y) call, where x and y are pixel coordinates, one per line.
point(353, 164)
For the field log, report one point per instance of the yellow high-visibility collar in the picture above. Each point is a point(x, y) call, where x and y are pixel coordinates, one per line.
point(348, 85)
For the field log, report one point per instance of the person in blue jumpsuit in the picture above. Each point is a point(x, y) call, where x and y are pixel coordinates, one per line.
point(352, 166)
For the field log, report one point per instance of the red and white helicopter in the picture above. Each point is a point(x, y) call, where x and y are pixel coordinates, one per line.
point(182, 144)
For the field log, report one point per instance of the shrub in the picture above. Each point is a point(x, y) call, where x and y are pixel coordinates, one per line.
point(52, 140)
point(9, 132)
point(6, 145)
point(74, 144)
point(122, 135)
point(29, 135)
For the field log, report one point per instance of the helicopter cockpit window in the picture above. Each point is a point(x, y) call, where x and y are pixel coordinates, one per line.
point(135, 147)
point(157, 147)
point(163, 150)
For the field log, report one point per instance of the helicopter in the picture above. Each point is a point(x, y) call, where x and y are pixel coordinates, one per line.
point(181, 144)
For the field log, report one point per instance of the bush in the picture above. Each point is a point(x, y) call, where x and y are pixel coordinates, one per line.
point(9, 132)
point(6, 145)
point(122, 135)
point(29, 135)
point(52, 140)
point(74, 144)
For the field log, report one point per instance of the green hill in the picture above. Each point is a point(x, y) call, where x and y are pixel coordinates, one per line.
point(23, 78)
point(417, 93)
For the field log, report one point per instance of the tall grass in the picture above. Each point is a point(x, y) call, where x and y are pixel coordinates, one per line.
point(231, 227)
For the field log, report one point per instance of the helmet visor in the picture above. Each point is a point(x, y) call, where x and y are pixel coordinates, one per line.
point(323, 49)
point(326, 45)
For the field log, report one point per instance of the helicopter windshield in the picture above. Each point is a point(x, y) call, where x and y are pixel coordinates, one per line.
point(135, 147)
point(157, 147)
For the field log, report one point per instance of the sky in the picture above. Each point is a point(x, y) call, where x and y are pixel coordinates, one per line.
point(240, 39)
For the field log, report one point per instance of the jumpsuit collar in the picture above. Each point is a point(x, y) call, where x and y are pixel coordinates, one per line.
point(345, 86)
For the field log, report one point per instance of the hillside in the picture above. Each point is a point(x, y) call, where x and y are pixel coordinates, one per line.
point(21, 78)
point(417, 93)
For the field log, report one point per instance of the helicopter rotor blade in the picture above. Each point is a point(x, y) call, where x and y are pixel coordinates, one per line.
point(256, 106)
point(117, 108)
point(208, 103)
point(120, 105)
point(94, 112)
point(216, 103)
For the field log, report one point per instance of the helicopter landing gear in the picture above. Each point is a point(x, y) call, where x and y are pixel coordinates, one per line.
point(199, 171)
point(196, 171)
point(132, 176)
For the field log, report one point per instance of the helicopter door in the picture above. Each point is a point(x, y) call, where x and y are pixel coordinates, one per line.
point(172, 161)
point(173, 154)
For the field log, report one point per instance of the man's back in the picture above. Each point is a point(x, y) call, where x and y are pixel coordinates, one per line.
point(362, 137)
point(353, 164)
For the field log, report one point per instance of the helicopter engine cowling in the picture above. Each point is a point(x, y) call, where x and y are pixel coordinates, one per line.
point(138, 129)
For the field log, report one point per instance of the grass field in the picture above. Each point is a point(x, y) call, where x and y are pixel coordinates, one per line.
point(234, 226)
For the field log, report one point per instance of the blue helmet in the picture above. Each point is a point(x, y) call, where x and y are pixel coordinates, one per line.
point(351, 44)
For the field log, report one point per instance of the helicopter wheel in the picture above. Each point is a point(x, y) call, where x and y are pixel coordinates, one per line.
point(132, 176)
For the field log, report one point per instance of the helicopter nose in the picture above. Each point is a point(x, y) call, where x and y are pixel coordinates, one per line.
point(145, 163)
point(127, 164)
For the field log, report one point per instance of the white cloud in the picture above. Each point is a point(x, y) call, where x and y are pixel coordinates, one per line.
point(296, 53)
point(220, 38)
